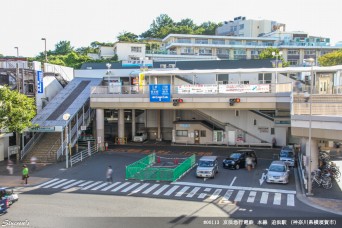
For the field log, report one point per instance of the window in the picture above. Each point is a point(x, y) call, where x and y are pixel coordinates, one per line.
point(187, 50)
point(201, 41)
point(203, 133)
point(237, 112)
point(272, 131)
point(135, 49)
point(293, 62)
point(309, 52)
point(181, 133)
point(255, 122)
point(241, 26)
point(217, 41)
point(293, 52)
point(184, 40)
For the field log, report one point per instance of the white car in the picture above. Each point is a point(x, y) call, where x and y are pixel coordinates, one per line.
point(140, 137)
point(278, 172)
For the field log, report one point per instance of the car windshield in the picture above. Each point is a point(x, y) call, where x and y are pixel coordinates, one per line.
point(277, 168)
point(206, 163)
point(235, 155)
point(286, 154)
point(139, 134)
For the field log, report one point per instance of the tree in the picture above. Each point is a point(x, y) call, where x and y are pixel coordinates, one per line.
point(63, 48)
point(128, 37)
point(267, 54)
point(159, 27)
point(331, 59)
point(16, 111)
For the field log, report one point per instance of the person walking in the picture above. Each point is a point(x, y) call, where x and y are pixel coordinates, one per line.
point(109, 174)
point(25, 174)
point(106, 145)
point(10, 167)
point(33, 163)
point(249, 162)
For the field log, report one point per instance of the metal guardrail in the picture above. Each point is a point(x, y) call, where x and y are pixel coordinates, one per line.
point(80, 156)
point(30, 144)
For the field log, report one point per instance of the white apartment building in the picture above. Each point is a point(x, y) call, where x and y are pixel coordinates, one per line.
point(241, 26)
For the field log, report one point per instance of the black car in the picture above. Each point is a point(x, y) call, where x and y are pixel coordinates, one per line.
point(237, 159)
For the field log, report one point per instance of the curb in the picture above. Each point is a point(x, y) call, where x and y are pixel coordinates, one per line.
point(301, 196)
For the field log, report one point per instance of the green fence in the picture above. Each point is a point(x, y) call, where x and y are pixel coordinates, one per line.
point(133, 169)
point(143, 170)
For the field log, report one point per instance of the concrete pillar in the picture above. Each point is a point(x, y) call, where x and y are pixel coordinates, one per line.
point(100, 127)
point(313, 155)
point(121, 123)
point(158, 126)
point(133, 123)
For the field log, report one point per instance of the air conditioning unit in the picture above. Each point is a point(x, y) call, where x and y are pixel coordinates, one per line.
point(172, 66)
point(162, 65)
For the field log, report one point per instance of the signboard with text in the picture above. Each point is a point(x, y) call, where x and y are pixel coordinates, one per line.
point(40, 86)
point(160, 93)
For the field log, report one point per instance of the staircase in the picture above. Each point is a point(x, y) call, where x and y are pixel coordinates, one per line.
point(46, 148)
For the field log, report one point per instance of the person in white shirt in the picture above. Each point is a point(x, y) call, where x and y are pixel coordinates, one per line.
point(109, 174)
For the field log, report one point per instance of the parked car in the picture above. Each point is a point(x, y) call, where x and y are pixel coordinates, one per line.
point(287, 155)
point(278, 172)
point(237, 159)
point(207, 166)
point(140, 137)
point(9, 195)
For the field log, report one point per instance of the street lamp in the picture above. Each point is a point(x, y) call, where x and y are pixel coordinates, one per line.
point(277, 55)
point(45, 49)
point(66, 117)
point(17, 69)
point(312, 61)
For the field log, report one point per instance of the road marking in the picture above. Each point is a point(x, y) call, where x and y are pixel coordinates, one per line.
point(130, 187)
point(215, 195)
point(100, 186)
point(225, 198)
point(73, 184)
point(140, 188)
point(202, 195)
point(48, 182)
point(90, 186)
point(277, 198)
point(193, 192)
point(264, 197)
point(161, 189)
point(60, 185)
point(234, 187)
point(150, 188)
point(171, 190)
point(181, 192)
point(84, 184)
point(110, 186)
point(50, 185)
point(231, 184)
point(290, 200)
point(207, 189)
point(120, 187)
point(239, 196)
point(262, 179)
point(251, 197)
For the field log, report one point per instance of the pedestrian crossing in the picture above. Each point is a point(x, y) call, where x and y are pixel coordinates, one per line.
point(179, 190)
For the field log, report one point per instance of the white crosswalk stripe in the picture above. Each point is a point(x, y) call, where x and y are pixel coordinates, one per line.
point(73, 184)
point(174, 188)
point(60, 185)
point(181, 192)
point(99, 186)
point(193, 192)
point(251, 197)
point(160, 190)
point(120, 186)
point(264, 198)
point(130, 187)
point(205, 194)
point(150, 188)
point(140, 188)
point(54, 183)
point(110, 186)
point(90, 186)
point(290, 200)
point(277, 198)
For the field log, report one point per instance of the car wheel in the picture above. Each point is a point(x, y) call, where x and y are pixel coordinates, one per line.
point(237, 166)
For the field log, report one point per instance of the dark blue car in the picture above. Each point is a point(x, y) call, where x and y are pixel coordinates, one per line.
point(3, 206)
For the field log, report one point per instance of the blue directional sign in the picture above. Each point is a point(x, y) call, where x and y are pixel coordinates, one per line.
point(40, 86)
point(160, 93)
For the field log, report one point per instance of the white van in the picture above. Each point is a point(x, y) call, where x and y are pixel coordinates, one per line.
point(207, 166)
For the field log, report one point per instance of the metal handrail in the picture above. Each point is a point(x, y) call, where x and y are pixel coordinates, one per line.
point(80, 156)
point(30, 144)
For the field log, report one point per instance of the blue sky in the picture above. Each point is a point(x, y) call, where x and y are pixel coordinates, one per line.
point(25, 22)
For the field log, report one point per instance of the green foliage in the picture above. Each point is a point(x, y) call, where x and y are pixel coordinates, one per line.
point(127, 37)
point(16, 110)
point(267, 54)
point(63, 48)
point(331, 59)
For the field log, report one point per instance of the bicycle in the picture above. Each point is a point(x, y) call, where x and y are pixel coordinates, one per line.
point(320, 179)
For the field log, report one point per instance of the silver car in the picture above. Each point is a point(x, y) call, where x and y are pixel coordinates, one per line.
point(278, 172)
point(207, 167)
